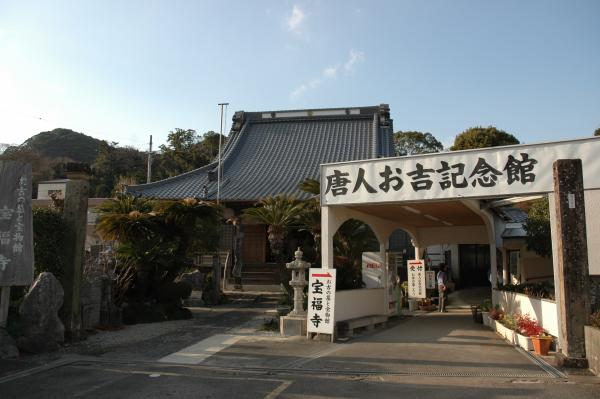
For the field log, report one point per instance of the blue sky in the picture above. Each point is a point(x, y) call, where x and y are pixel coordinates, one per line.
point(122, 70)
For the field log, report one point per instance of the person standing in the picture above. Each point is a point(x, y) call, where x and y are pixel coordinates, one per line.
point(442, 282)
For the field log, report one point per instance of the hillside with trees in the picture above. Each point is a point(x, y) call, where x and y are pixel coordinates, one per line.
point(112, 165)
point(61, 143)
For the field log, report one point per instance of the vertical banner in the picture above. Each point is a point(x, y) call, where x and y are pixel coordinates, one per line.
point(372, 269)
point(430, 280)
point(321, 300)
point(16, 224)
point(416, 278)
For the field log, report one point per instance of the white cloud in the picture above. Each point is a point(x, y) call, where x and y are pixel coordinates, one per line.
point(294, 22)
point(330, 73)
point(354, 58)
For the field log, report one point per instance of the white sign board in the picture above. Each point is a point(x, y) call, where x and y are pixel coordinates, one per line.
point(372, 269)
point(430, 282)
point(500, 171)
point(321, 300)
point(416, 278)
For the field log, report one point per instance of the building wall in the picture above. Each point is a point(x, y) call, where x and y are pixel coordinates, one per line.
point(45, 189)
point(592, 215)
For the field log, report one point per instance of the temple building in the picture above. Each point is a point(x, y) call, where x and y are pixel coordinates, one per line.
point(270, 153)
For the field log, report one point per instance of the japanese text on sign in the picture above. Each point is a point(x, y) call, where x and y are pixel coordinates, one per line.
point(483, 174)
point(416, 278)
point(16, 243)
point(321, 300)
point(486, 172)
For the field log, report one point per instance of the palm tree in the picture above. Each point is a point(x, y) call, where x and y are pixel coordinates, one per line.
point(125, 218)
point(193, 223)
point(278, 213)
point(310, 218)
point(130, 221)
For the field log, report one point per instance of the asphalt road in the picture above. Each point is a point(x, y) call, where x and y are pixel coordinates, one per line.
point(106, 379)
point(433, 356)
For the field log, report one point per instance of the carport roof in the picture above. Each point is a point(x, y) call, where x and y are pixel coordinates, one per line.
point(424, 214)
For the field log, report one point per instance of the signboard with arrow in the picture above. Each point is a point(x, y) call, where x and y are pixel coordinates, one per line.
point(321, 301)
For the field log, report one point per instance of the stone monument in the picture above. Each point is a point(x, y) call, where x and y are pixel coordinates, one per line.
point(16, 240)
point(295, 322)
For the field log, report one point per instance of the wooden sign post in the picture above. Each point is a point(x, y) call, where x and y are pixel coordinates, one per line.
point(16, 230)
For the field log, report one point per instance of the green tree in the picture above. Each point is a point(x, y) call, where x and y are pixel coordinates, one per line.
point(597, 132)
point(410, 143)
point(352, 239)
point(310, 217)
point(538, 228)
point(278, 213)
point(482, 137)
point(115, 164)
point(156, 239)
point(185, 151)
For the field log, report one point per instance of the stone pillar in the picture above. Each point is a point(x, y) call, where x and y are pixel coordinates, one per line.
point(295, 322)
point(505, 267)
point(417, 248)
point(572, 277)
point(75, 214)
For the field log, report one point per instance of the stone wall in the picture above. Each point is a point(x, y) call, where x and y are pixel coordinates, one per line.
point(592, 348)
point(595, 293)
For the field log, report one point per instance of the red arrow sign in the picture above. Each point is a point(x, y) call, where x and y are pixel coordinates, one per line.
point(321, 275)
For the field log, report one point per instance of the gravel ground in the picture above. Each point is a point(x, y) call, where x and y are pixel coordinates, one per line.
point(151, 341)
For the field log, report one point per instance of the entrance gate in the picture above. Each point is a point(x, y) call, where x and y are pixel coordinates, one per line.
point(443, 197)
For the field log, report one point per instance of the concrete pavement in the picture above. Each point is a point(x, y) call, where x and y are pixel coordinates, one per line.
point(433, 355)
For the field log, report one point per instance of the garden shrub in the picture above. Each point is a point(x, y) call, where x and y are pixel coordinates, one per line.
point(509, 321)
point(50, 233)
point(542, 290)
point(496, 313)
point(595, 319)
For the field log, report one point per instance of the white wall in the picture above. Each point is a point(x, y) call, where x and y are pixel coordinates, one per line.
point(542, 310)
point(592, 225)
point(43, 189)
point(350, 304)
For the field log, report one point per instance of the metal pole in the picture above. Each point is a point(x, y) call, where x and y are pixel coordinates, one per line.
point(219, 162)
point(149, 177)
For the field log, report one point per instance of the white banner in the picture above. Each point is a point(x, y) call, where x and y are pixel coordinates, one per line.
point(416, 278)
point(321, 300)
point(372, 269)
point(430, 282)
point(503, 171)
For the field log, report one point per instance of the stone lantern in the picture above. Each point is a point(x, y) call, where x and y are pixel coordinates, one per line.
point(295, 322)
point(298, 282)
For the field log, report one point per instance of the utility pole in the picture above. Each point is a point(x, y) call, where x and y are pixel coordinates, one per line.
point(149, 177)
point(219, 163)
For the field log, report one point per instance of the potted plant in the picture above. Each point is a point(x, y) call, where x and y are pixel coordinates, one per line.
point(541, 343)
point(495, 314)
point(527, 328)
point(506, 327)
point(476, 314)
point(426, 305)
point(486, 306)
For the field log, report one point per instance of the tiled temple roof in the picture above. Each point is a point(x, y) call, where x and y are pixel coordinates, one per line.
point(269, 153)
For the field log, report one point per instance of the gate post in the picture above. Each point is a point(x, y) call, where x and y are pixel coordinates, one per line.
point(75, 214)
point(571, 279)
